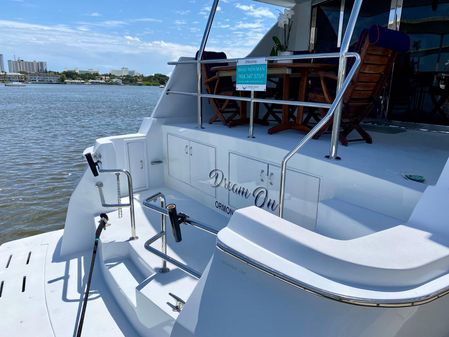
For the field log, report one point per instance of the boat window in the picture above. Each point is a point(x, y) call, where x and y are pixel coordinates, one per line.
point(326, 17)
point(420, 91)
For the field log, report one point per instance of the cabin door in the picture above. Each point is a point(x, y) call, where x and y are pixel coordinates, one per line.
point(137, 164)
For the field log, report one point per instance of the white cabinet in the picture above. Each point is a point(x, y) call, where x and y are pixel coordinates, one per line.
point(257, 183)
point(178, 158)
point(248, 174)
point(301, 195)
point(191, 162)
point(202, 162)
point(137, 163)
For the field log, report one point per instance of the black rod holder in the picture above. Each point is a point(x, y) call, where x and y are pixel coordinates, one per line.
point(92, 164)
point(175, 220)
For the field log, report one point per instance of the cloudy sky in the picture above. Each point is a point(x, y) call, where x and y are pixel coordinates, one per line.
point(139, 34)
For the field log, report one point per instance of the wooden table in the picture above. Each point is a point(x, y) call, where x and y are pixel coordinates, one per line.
point(284, 71)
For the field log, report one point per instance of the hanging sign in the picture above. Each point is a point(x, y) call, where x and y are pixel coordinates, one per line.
point(251, 75)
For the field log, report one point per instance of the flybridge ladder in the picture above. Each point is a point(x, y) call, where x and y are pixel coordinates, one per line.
point(334, 109)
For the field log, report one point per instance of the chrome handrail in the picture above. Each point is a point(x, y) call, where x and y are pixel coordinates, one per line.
point(256, 100)
point(163, 233)
point(365, 302)
point(314, 131)
point(268, 58)
point(341, 75)
point(252, 99)
point(130, 196)
point(336, 108)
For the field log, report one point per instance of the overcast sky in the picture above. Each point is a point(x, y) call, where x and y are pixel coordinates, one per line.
point(142, 35)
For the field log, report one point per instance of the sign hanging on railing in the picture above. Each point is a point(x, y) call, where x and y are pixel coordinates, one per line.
point(251, 75)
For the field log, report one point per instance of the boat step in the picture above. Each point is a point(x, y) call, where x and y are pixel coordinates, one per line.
point(345, 221)
point(127, 277)
point(145, 299)
point(155, 295)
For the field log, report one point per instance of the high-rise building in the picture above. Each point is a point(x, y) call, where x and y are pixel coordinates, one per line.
point(2, 65)
point(123, 72)
point(28, 67)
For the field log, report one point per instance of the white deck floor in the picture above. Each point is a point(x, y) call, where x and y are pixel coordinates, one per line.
point(49, 304)
point(395, 151)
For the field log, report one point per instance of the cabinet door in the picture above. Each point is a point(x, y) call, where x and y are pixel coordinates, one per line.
point(137, 164)
point(178, 158)
point(301, 195)
point(202, 162)
point(245, 176)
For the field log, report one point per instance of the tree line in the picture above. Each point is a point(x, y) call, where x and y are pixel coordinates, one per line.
point(156, 79)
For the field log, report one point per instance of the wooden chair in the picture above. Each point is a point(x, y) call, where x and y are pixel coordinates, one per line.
point(378, 49)
point(225, 109)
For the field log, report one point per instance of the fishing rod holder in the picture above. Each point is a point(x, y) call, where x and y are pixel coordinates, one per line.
point(176, 220)
point(96, 170)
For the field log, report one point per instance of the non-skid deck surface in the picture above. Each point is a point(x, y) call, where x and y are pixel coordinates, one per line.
point(42, 292)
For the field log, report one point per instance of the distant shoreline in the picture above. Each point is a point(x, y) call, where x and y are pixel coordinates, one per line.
point(93, 84)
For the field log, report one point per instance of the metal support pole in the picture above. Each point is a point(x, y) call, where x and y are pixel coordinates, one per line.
point(163, 232)
point(164, 268)
point(198, 97)
point(199, 57)
point(340, 22)
point(251, 116)
point(341, 76)
point(131, 198)
point(315, 129)
point(131, 207)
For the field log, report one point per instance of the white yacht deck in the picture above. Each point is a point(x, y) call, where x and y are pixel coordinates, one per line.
point(395, 150)
point(45, 290)
point(41, 292)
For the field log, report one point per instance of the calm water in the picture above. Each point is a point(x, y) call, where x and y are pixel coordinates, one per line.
point(43, 132)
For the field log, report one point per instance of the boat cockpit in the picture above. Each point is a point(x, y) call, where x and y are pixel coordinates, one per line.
point(251, 164)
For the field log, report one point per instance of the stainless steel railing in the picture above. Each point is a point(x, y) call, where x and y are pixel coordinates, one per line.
point(148, 202)
point(252, 99)
point(314, 131)
point(130, 195)
point(200, 56)
point(334, 109)
point(309, 288)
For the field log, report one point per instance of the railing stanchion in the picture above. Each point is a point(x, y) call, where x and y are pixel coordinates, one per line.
point(199, 57)
point(314, 131)
point(251, 116)
point(198, 97)
point(341, 77)
point(164, 268)
point(131, 207)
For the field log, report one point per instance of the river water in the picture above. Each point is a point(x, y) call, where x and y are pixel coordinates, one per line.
point(43, 132)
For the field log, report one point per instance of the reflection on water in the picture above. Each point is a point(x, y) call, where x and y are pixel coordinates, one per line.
point(43, 132)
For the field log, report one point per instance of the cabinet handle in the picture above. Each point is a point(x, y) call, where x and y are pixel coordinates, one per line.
point(270, 179)
point(262, 175)
point(186, 149)
point(190, 150)
point(141, 164)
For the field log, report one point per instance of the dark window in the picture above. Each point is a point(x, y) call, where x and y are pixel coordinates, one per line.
point(420, 88)
point(327, 20)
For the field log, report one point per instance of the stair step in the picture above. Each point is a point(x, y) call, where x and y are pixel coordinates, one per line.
point(127, 276)
point(154, 293)
point(345, 221)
